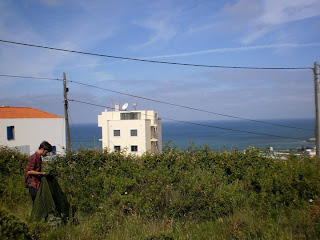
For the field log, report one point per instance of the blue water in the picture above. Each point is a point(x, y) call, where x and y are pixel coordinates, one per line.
point(215, 134)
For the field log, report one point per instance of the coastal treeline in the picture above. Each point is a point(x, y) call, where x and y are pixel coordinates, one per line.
point(196, 193)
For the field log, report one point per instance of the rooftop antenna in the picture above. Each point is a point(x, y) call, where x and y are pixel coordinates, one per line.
point(125, 106)
point(135, 106)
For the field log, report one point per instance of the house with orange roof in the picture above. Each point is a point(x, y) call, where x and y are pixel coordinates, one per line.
point(25, 128)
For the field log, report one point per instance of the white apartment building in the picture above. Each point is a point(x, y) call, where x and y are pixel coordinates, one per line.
point(137, 131)
point(25, 128)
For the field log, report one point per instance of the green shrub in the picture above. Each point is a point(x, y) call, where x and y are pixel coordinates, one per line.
point(12, 228)
point(12, 165)
point(177, 183)
point(196, 183)
point(11, 161)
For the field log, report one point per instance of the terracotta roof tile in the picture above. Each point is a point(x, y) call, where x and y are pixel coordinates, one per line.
point(24, 112)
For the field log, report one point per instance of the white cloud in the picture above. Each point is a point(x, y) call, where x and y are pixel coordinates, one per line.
point(238, 49)
point(106, 26)
point(278, 12)
point(283, 11)
point(239, 93)
point(243, 11)
point(161, 31)
point(159, 19)
point(71, 33)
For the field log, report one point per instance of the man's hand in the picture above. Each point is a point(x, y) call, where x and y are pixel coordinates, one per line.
point(36, 173)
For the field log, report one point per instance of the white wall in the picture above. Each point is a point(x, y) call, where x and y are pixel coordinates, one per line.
point(159, 134)
point(125, 139)
point(32, 131)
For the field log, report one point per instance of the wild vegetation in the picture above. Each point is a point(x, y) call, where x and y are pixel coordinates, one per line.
point(195, 193)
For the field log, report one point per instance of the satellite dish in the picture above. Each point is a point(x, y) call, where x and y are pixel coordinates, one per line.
point(135, 106)
point(124, 106)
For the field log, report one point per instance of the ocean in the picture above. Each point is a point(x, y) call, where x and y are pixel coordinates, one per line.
point(215, 134)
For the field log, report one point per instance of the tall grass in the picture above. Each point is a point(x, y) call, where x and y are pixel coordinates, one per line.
point(195, 193)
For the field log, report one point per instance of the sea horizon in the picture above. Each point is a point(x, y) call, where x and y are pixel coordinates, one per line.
point(217, 134)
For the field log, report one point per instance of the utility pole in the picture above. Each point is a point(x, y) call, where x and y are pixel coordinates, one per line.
point(316, 92)
point(65, 91)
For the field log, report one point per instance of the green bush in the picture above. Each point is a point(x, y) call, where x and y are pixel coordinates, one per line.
point(11, 161)
point(177, 183)
point(12, 228)
point(196, 183)
point(12, 165)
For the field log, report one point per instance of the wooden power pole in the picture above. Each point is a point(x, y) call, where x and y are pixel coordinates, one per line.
point(316, 92)
point(65, 93)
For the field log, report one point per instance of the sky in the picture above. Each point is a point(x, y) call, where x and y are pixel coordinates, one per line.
point(233, 33)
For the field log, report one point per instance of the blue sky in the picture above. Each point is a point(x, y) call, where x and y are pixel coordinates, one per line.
point(254, 33)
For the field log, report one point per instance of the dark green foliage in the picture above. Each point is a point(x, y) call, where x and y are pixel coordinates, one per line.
point(11, 162)
point(12, 167)
point(195, 182)
point(12, 228)
point(160, 236)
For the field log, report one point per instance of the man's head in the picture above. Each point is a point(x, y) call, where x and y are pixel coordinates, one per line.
point(45, 148)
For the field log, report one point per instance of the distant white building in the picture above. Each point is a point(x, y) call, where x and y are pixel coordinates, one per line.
point(134, 131)
point(311, 152)
point(25, 128)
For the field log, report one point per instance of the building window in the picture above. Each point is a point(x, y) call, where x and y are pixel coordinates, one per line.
point(130, 116)
point(117, 148)
point(116, 133)
point(134, 148)
point(134, 132)
point(10, 133)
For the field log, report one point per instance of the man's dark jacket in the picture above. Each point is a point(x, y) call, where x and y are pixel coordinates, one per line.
point(50, 199)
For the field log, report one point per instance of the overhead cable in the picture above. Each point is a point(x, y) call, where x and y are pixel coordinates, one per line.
point(162, 102)
point(152, 61)
point(186, 107)
point(39, 78)
point(92, 104)
point(200, 124)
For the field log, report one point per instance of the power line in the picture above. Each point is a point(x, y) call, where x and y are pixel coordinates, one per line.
point(162, 102)
point(152, 61)
point(30, 77)
point(190, 108)
point(96, 105)
point(200, 124)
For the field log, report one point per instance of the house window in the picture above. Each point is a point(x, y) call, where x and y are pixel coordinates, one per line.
point(134, 132)
point(134, 148)
point(54, 150)
point(116, 133)
point(10, 133)
point(117, 148)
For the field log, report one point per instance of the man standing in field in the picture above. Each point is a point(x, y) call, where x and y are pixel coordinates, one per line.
point(33, 172)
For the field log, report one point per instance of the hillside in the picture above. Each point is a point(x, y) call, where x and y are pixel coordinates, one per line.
point(180, 194)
